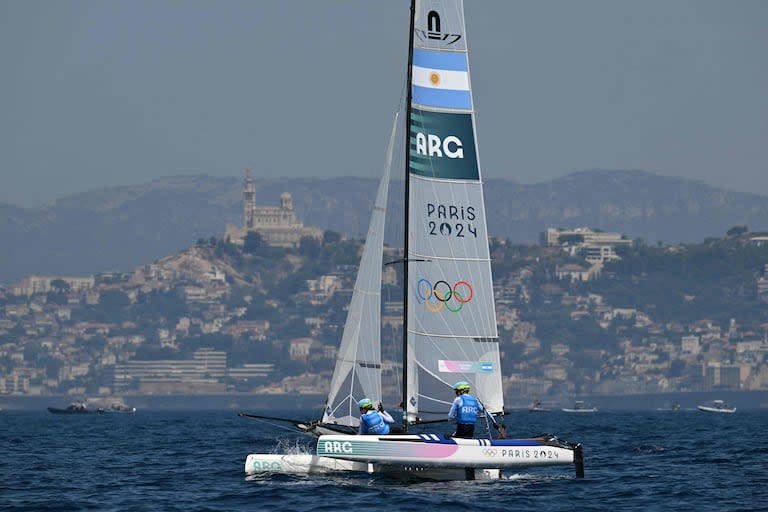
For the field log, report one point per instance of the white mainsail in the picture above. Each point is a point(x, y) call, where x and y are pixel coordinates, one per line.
point(357, 373)
point(451, 317)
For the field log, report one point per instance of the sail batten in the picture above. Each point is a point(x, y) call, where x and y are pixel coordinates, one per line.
point(444, 180)
point(437, 257)
point(455, 336)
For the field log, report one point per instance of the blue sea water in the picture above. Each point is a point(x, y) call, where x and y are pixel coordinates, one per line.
point(193, 461)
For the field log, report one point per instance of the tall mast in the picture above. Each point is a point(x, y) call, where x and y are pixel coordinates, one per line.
point(405, 231)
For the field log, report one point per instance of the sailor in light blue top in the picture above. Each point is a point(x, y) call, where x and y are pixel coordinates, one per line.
point(464, 410)
point(372, 421)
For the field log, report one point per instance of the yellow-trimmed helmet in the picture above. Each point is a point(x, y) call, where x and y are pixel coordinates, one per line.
point(365, 403)
point(462, 385)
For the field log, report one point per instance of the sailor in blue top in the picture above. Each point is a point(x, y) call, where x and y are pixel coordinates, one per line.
point(371, 421)
point(464, 410)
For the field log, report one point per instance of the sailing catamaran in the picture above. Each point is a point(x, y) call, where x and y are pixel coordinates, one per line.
point(449, 331)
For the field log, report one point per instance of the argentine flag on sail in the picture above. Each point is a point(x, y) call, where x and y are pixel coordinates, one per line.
point(441, 79)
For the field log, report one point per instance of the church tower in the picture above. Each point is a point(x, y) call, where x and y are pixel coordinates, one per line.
point(286, 201)
point(249, 200)
point(277, 225)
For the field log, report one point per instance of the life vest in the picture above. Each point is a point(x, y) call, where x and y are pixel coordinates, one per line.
point(467, 410)
point(374, 424)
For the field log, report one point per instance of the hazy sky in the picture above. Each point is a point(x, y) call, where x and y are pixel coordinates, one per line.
point(96, 93)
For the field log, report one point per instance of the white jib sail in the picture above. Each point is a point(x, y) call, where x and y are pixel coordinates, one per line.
point(357, 373)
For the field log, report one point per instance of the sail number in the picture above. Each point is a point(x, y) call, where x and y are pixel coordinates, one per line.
point(451, 220)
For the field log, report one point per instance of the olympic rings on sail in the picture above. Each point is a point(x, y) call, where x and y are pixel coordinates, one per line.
point(445, 296)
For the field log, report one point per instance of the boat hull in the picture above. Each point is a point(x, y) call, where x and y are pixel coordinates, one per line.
point(258, 463)
point(306, 464)
point(439, 451)
point(68, 410)
point(705, 408)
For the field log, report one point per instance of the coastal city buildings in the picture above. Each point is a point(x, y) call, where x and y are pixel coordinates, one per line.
point(48, 348)
point(198, 323)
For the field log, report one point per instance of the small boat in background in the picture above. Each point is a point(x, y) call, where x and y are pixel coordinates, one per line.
point(117, 408)
point(674, 406)
point(73, 408)
point(580, 406)
point(93, 407)
point(537, 407)
point(717, 406)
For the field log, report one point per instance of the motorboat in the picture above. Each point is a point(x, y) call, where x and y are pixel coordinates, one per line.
point(116, 408)
point(717, 406)
point(580, 406)
point(73, 408)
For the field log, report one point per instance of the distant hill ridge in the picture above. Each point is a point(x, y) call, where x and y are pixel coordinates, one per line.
point(120, 228)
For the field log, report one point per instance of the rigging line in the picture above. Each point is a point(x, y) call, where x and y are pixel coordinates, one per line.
point(488, 426)
point(488, 412)
point(436, 400)
point(500, 427)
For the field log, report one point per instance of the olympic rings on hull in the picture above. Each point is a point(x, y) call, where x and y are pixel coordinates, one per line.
point(444, 295)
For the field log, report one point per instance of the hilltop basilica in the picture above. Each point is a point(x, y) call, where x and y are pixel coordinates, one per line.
point(277, 225)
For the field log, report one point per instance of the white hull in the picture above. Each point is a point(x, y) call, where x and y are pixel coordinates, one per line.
point(591, 409)
point(303, 464)
point(421, 456)
point(717, 406)
point(706, 408)
point(437, 451)
point(306, 464)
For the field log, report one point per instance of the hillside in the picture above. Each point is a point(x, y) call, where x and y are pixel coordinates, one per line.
point(119, 228)
point(660, 319)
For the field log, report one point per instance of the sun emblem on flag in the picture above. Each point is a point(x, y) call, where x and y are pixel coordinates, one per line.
point(434, 78)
